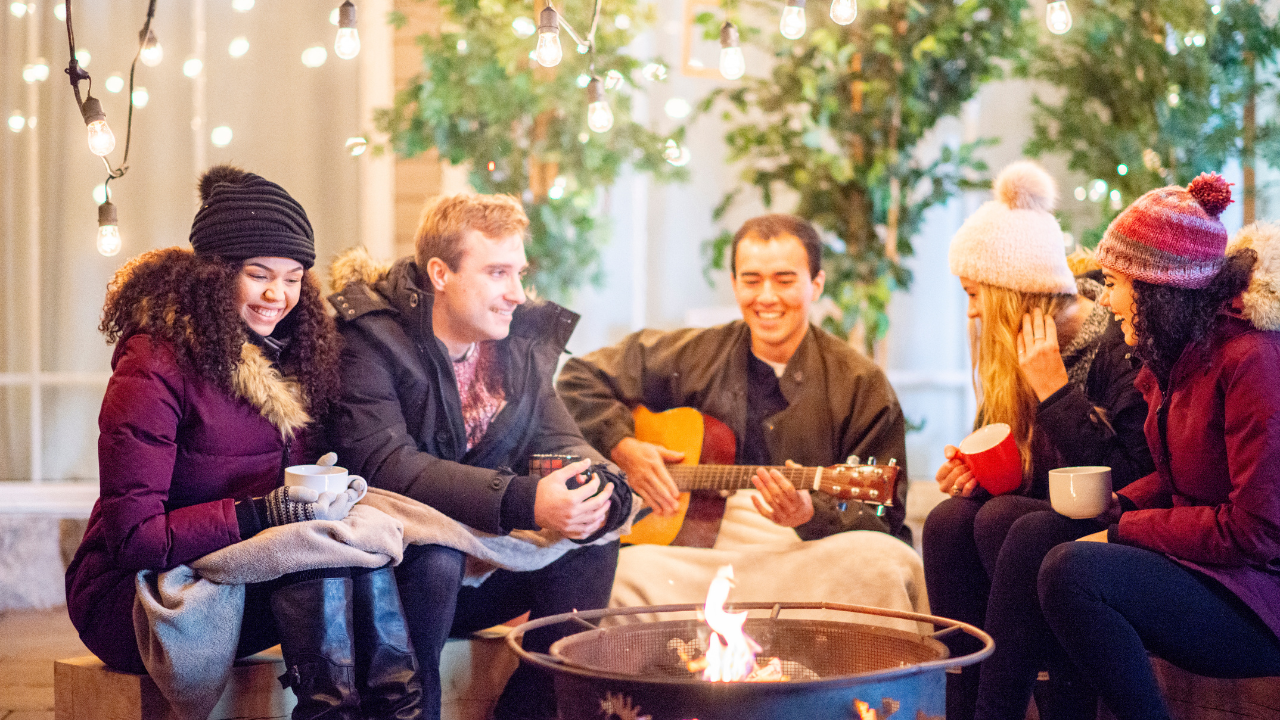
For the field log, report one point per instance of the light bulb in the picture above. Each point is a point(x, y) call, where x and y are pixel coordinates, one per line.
point(101, 140)
point(1058, 17)
point(844, 12)
point(792, 25)
point(151, 53)
point(347, 44)
point(732, 64)
point(548, 52)
point(108, 230)
point(599, 115)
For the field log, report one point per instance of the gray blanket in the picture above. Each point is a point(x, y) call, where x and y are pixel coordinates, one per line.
point(187, 620)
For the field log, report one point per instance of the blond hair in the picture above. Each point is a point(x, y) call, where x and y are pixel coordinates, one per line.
point(1004, 394)
point(446, 219)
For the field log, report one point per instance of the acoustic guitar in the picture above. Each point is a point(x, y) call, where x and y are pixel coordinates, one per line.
point(707, 473)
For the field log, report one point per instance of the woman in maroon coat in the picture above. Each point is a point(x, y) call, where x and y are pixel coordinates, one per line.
point(224, 363)
point(1191, 570)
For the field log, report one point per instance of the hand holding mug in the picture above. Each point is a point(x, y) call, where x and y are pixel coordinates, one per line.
point(955, 477)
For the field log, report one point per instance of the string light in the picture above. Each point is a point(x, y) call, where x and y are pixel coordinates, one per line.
point(17, 122)
point(549, 52)
point(844, 12)
point(792, 24)
point(101, 140)
point(347, 44)
point(151, 53)
point(1058, 17)
point(732, 64)
point(599, 115)
point(108, 230)
point(192, 67)
point(238, 47)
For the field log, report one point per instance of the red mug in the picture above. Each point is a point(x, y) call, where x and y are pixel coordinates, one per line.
point(993, 457)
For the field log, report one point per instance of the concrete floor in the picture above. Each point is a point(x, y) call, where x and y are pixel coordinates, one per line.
point(30, 640)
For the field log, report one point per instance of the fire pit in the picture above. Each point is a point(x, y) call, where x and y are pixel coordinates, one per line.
point(834, 670)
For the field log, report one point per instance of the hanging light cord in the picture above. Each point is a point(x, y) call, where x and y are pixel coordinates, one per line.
point(590, 40)
point(77, 73)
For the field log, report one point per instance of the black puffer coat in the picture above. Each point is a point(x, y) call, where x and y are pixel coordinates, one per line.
point(399, 419)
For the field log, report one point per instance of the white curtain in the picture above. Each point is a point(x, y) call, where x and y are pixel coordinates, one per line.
point(289, 123)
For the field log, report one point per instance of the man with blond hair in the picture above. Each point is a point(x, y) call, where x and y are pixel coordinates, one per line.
point(446, 375)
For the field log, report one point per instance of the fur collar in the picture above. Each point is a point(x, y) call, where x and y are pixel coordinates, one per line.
point(356, 266)
point(279, 399)
point(1262, 300)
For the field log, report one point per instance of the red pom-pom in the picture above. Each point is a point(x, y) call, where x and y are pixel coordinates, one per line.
point(1212, 192)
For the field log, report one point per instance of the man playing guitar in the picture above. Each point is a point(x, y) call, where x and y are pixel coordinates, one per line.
point(788, 391)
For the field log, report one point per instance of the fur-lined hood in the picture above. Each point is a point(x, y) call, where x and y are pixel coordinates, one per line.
point(279, 399)
point(1262, 300)
point(356, 266)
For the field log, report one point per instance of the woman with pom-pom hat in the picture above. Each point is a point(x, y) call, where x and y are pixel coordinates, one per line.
point(1189, 568)
point(1052, 365)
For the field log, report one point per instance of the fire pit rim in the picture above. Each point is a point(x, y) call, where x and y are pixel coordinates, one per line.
point(550, 662)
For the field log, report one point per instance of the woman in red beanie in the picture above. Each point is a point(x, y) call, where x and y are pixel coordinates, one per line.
point(1190, 569)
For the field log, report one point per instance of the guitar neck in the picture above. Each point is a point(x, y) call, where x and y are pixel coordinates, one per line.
point(733, 477)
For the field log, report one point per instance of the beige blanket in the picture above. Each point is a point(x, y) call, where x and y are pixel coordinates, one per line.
point(187, 620)
point(771, 564)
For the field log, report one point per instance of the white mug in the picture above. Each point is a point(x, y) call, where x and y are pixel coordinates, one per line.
point(1080, 492)
point(322, 478)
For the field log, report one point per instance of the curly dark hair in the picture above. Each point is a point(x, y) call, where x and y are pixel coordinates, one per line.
point(190, 302)
point(1167, 319)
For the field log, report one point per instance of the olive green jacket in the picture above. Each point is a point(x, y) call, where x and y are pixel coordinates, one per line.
point(840, 404)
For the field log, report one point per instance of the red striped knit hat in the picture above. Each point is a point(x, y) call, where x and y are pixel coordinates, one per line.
point(1171, 236)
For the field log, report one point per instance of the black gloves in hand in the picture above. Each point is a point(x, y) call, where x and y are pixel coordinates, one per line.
point(619, 503)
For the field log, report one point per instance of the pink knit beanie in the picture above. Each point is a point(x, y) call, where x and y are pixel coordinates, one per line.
point(1014, 241)
point(1171, 236)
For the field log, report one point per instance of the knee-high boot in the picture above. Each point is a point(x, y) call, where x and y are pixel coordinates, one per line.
point(313, 617)
point(387, 669)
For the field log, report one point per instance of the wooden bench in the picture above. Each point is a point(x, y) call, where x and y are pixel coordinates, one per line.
point(473, 672)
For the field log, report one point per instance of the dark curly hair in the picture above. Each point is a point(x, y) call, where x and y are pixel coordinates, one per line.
point(191, 302)
point(1167, 319)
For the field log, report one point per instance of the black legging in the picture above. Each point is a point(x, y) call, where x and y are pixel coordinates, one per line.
point(974, 575)
point(1109, 604)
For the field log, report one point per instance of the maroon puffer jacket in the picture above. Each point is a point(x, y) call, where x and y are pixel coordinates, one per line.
point(174, 453)
point(1214, 501)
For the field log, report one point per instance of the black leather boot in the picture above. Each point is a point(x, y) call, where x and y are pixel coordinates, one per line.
point(313, 617)
point(387, 669)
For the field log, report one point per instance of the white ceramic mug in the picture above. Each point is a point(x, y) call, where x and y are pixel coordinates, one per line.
point(322, 478)
point(1080, 492)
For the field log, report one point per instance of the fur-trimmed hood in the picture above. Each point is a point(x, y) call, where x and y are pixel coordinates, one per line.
point(1262, 300)
point(279, 399)
point(356, 265)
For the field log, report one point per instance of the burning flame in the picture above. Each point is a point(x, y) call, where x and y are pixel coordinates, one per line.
point(731, 654)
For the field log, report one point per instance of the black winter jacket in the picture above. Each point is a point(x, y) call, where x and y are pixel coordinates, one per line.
point(399, 420)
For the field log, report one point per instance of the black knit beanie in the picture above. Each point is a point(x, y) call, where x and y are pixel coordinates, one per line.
point(243, 215)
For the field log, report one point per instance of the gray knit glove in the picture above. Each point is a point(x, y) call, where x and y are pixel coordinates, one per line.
point(292, 503)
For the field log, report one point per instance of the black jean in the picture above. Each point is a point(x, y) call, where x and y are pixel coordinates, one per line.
point(975, 574)
point(1109, 605)
point(438, 607)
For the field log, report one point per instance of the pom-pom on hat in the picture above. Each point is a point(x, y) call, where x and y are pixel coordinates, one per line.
point(243, 215)
point(1014, 241)
point(1171, 235)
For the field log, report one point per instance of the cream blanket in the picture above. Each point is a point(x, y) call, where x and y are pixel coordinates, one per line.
point(187, 620)
point(772, 564)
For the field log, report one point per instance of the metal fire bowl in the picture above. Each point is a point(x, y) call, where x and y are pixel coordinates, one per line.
point(628, 672)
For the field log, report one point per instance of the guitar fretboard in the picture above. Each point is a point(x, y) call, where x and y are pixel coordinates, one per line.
point(733, 477)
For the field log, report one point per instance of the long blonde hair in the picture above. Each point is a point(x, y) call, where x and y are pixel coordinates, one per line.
point(1004, 395)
